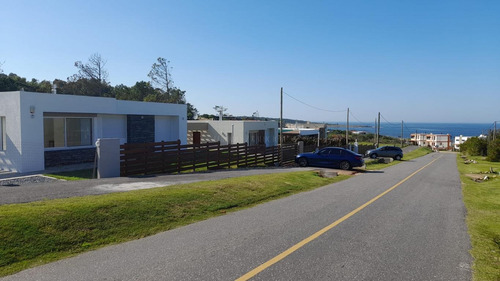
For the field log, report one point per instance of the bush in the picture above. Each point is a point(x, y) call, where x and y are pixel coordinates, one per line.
point(474, 147)
point(494, 151)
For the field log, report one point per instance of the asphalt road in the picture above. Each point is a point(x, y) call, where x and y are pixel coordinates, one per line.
point(416, 231)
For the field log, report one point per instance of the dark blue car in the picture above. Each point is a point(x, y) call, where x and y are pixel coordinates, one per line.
point(334, 157)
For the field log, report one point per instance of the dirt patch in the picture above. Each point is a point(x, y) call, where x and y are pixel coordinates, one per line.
point(480, 177)
point(334, 172)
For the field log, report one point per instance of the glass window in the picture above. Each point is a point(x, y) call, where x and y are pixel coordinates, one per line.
point(67, 132)
point(53, 132)
point(335, 151)
point(78, 131)
point(324, 151)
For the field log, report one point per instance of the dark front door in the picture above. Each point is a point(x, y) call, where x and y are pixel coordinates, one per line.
point(196, 137)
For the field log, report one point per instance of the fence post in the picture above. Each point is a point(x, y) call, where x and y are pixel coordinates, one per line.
point(246, 154)
point(163, 156)
point(208, 155)
point(238, 155)
point(265, 154)
point(229, 156)
point(256, 154)
point(218, 155)
point(300, 146)
point(194, 158)
point(178, 157)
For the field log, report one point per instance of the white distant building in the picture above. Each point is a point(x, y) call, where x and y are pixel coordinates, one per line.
point(438, 141)
point(418, 139)
point(459, 140)
point(233, 132)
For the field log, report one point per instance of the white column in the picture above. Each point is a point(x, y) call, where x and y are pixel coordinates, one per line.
point(108, 158)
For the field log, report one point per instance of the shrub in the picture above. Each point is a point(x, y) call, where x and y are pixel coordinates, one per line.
point(474, 147)
point(494, 151)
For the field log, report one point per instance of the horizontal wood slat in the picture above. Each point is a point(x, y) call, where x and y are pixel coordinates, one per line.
point(173, 157)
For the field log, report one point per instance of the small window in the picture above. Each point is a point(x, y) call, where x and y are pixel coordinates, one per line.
point(3, 134)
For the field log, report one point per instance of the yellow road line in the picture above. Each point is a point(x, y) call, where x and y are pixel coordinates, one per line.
point(302, 243)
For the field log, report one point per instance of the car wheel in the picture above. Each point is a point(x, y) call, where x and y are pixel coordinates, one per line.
point(303, 162)
point(373, 156)
point(344, 165)
point(397, 157)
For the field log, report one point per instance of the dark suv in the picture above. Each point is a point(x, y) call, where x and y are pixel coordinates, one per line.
point(386, 151)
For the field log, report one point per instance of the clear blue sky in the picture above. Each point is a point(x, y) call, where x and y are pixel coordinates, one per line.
point(418, 61)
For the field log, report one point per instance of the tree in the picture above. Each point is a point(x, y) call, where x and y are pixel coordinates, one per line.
point(474, 147)
point(91, 79)
point(94, 69)
point(160, 75)
point(494, 151)
point(192, 112)
point(13, 82)
point(1, 64)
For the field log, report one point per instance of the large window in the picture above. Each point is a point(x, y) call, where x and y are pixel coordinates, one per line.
point(3, 134)
point(67, 131)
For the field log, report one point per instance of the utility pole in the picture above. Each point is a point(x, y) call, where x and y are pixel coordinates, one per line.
point(375, 135)
point(495, 131)
point(401, 133)
point(281, 127)
point(378, 130)
point(347, 131)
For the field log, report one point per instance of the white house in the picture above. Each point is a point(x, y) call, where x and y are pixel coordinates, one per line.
point(459, 140)
point(418, 139)
point(39, 130)
point(232, 132)
point(438, 141)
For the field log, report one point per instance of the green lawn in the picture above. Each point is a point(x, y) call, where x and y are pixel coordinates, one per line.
point(419, 152)
point(482, 200)
point(40, 232)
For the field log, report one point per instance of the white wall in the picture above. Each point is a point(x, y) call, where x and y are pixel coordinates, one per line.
point(218, 131)
point(10, 159)
point(271, 140)
point(167, 129)
point(25, 147)
point(112, 126)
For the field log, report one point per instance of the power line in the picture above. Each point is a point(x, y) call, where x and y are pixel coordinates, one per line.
point(362, 123)
point(317, 108)
point(394, 125)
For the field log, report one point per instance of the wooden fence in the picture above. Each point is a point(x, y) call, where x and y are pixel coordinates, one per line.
point(172, 157)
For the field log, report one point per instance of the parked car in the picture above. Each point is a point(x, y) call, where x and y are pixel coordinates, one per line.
point(335, 157)
point(386, 151)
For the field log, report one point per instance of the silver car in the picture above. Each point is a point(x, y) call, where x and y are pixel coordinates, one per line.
point(386, 151)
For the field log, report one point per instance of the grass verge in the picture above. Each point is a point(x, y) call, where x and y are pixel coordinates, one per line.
point(419, 152)
point(482, 200)
point(40, 232)
point(72, 175)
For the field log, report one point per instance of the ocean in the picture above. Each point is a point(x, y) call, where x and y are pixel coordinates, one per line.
point(394, 129)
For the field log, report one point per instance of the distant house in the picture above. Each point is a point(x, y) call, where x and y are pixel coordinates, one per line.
point(459, 140)
point(438, 141)
point(40, 130)
point(232, 132)
point(418, 139)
